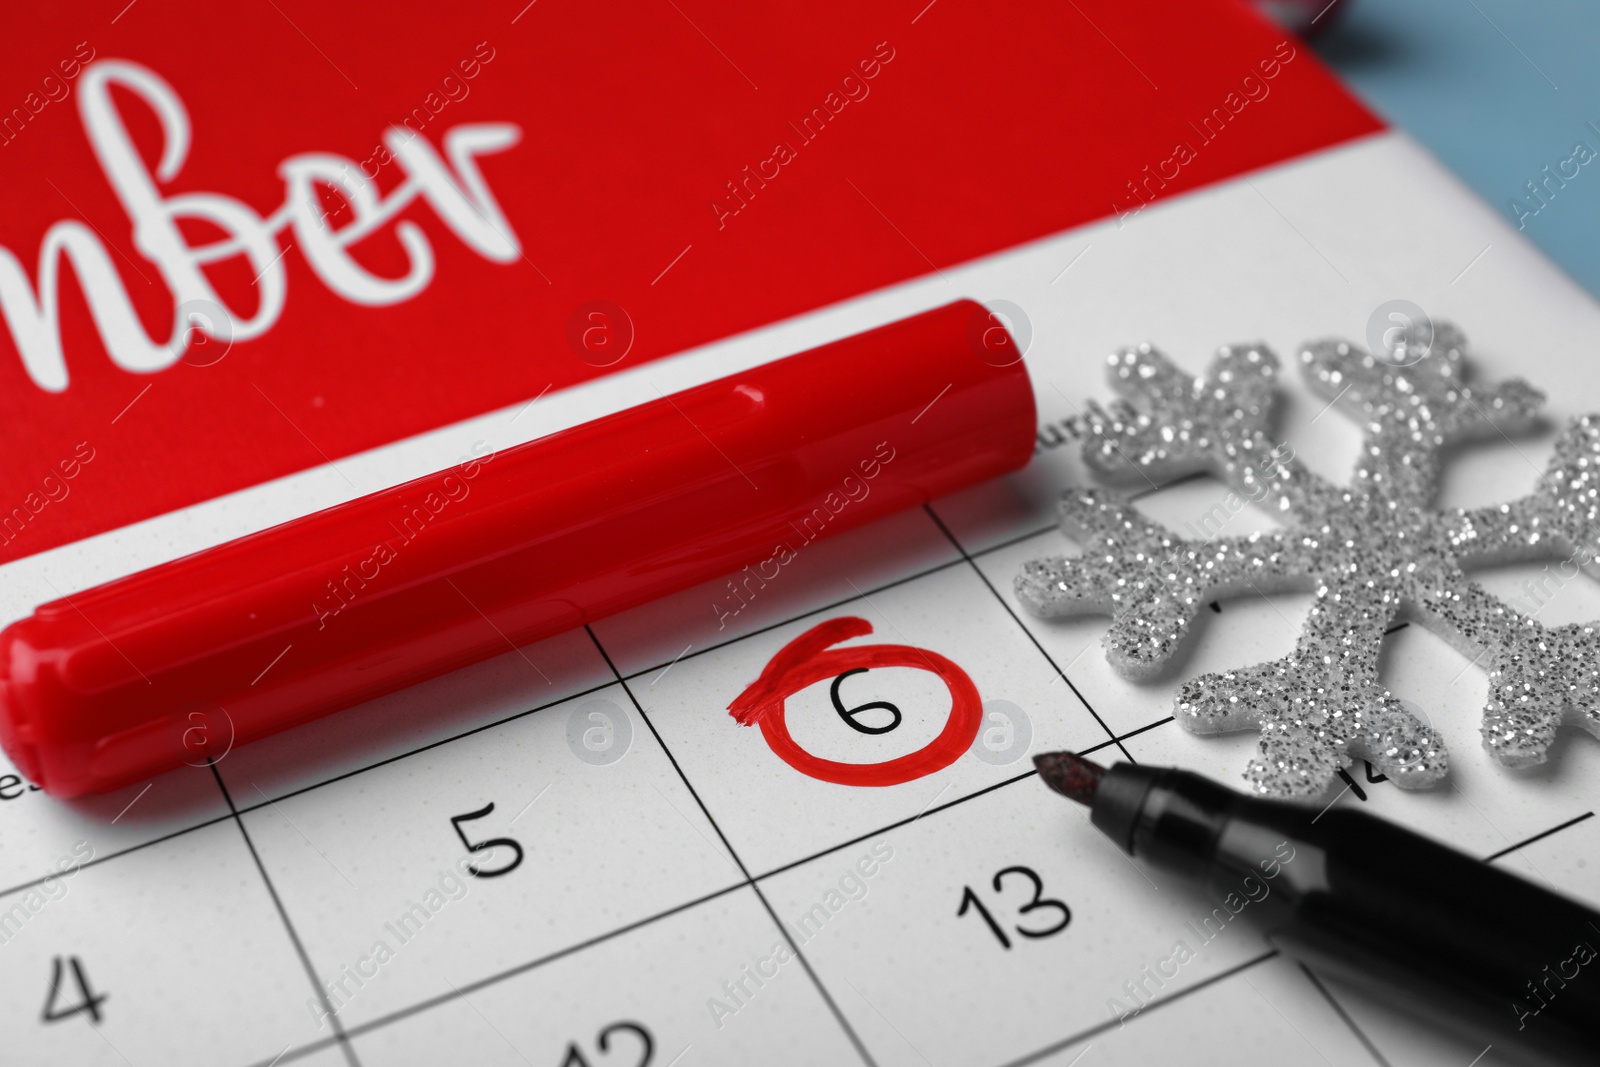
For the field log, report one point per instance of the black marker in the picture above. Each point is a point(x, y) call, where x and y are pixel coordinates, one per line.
point(1432, 930)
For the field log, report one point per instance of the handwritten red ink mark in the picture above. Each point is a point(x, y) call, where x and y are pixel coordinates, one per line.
point(807, 660)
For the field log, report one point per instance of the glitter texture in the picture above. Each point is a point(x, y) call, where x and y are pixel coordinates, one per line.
point(1372, 553)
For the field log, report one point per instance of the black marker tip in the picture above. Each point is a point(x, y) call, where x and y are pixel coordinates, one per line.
point(1071, 776)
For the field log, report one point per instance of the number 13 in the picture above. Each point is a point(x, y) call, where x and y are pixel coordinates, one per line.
point(970, 899)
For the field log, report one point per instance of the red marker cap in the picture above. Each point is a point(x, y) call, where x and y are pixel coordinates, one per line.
point(124, 681)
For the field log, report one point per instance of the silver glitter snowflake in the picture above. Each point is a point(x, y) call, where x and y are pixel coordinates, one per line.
point(1372, 553)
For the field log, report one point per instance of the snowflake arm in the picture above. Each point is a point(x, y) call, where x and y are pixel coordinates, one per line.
point(1409, 412)
point(1172, 425)
point(1154, 603)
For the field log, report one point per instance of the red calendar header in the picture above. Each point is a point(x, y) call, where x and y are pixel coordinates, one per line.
point(240, 241)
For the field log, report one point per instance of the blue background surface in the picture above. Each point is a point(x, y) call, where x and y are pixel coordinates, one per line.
point(1496, 90)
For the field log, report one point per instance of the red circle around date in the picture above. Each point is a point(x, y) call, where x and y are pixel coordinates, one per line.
point(807, 660)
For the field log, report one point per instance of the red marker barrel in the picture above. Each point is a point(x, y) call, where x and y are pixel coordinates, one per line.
point(178, 662)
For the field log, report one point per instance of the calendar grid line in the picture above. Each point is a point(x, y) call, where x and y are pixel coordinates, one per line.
point(951, 803)
point(1001, 546)
point(1082, 1035)
point(685, 657)
point(897, 824)
point(477, 984)
point(1537, 837)
point(1338, 1009)
point(288, 925)
point(248, 808)
point(1140, 730)
point(1192, 476)
point(1027, 632)
point(1091, 750)
point(1056, 526)
point(1490, 858)
point(297, 1052)
point(98, 860)
point(783, 929)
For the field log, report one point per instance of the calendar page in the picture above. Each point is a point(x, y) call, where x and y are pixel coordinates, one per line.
point(573, 854)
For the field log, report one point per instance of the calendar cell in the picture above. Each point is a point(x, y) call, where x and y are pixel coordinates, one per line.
point(862, 737)
point(150, 955)
point(714, 984)
point(1033, 925)
point(478, 856)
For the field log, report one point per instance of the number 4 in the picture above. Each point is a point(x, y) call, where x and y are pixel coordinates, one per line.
point(90, 1003)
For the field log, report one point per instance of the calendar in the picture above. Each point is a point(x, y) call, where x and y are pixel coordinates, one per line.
point(575, 854)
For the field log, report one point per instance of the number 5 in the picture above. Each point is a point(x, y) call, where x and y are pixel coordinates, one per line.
point(486, 846)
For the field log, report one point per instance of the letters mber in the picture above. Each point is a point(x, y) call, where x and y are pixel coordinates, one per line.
point(452, 187)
